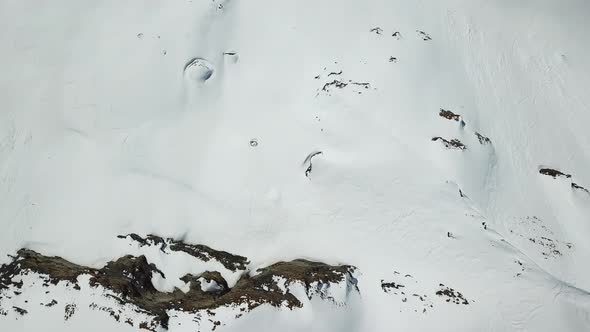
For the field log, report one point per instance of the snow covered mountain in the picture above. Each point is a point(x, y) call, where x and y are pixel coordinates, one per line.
point(262, 165)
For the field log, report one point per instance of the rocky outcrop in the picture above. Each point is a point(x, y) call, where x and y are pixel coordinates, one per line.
point(199, 251)
point(129, 281)
point(554, 173)
point(449, 115)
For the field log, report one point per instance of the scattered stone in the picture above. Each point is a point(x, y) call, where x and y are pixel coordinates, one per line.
point(140, 35)
point(554, 173)
point(521, 267)
point(392, 59)
point(335, 73)
point(387, 286)
point(253, 142)
point(51, 304)
point(482, 139)
point(116, 315)
point(377, 30)
point(397, 34)
point(69, 311)
point(336, 83)
point(452, 144)
point(20, 311)
point(423, 35)
point(416, 302)
point(451, 295)
point(538, 236)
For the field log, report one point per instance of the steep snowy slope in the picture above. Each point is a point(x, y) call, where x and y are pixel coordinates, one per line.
point(442, 126)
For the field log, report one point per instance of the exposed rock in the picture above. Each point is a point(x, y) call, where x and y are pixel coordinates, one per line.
point(55, 268)
point(20, 311)
point(51, 304)
point(424, 35)
point(199, 251)
point(387, 286)
point(377, 30)
point(554, 173)
point(576, 186)
point(482, 139)
point(449, 115)
point(452, 144)
point(130, 278)
point(408, 293)
point(451, 295)
point(340, 84)
point(336, 83)
point(69, 311)
point(536, 236)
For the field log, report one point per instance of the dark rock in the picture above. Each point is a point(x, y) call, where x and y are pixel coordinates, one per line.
point(482, 139)
point(376, 30)
point(20, 311)
point(130, 278)
point(449, 115)
point(451, 295)
point(51, 304)
point(424, 35)
point(199, 251)
point(336, 83)
point(554, 173)
point(387, 286)
point(452, 144)
point(576, 186)
point(69, 311)
point(55, 269)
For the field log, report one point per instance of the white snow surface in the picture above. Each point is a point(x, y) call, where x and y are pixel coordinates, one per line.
point(103, 132)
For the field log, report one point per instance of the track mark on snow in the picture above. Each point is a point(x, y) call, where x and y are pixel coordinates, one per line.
point(308, 161)
point(199, 69)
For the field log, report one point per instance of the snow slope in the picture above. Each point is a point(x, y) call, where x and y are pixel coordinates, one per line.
point(103, 131)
